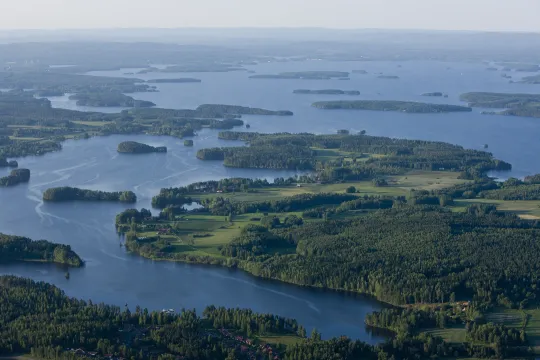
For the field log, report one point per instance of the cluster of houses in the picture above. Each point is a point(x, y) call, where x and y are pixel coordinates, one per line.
point(248, 347)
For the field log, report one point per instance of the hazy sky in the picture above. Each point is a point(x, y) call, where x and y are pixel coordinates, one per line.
point(507, 15)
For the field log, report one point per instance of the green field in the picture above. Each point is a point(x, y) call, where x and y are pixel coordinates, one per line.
point(202, 234)
point(525, 209)
point(286, 340)
point(519, 319)
point(398, 186)
point(451, 335)
point(90, 123)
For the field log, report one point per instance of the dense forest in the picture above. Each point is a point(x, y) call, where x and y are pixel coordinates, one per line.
point(133, 147)
point(17, 248)
point(46, 324)
point(66, 193)
point(514, 104)
point(389, 105)
point(299, 151)
point(239, 110)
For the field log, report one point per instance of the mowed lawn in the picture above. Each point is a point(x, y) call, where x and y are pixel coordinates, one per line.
point(397, 186)
point(203, 234)
point(530, 319)
point(526, 209)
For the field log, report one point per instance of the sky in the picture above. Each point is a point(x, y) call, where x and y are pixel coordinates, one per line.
point(490, 15)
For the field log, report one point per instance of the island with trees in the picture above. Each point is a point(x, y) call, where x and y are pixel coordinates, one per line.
point(434, 94)
point(7, 163)
point(304, 75)
point(361, 72)
point(520, 67)
point(66, 193)
point(239, 110)
point(389, 77)
point(390, 105)
point(327, 92)
point(18, 248)
point(535, 79)
point(133, 147)
point(513, 104)
point(16, 176)
point(188, 142)
point(109, 99)
point(174, 81)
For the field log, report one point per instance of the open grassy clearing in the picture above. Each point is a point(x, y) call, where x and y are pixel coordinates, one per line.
point(525, 209)
point(528, 319)
point(202, 234)
point(287, 340)
point(398, 186)
point(90, 123)
point(451, 335)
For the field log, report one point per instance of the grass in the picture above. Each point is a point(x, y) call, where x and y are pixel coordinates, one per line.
point(91, 123)
point(525, 209)
point(398, 186)
point(451, 335)
point(203, 234)
point(287, 340)
point(528, 319)
point(25, 138)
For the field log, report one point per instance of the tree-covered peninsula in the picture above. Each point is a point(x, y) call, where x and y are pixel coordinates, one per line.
point(370, 155)
point(18, 248)
point(239, 110)
point(16, 176)
point(326, 92)
point(513, 104)
point(133, 147)
point(305, 75)
point(109, 99)
point(174, 81)
point(66, 193)
point(390, 105)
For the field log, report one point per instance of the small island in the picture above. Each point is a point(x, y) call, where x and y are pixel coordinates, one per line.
point(66, 193)
point(361, 72)
point(8, 163)
point(188, 142)
point(436, 93)
point(18, 248)
point(174, 81)
point(327, 92)
point(390, 105)
point(109, 99)
point(531, 80)
point(48, 93)
point(309, 75)
point(133, 147)
point(16, 176)
point(392, 77)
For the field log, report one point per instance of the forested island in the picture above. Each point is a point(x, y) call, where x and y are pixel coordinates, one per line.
point(521, 67)
point(514, 104)
point(66, 193)
point(133, 147)
point(188, 142)
point(18, 248)
point(16, 176)
point(327, 92)
point(390, 77)
point(535, 79)
point(435, 94)
point(201, 67)
point(239, 110)
point(306, 75)
point(390, 105)
point(174, 81)
point(4, 162)
point(109, 99)
point(361, 72)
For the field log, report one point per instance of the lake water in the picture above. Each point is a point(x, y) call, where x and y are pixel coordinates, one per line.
point(114, 276)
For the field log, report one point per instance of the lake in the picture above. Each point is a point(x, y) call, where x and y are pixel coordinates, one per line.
point(114, 276)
